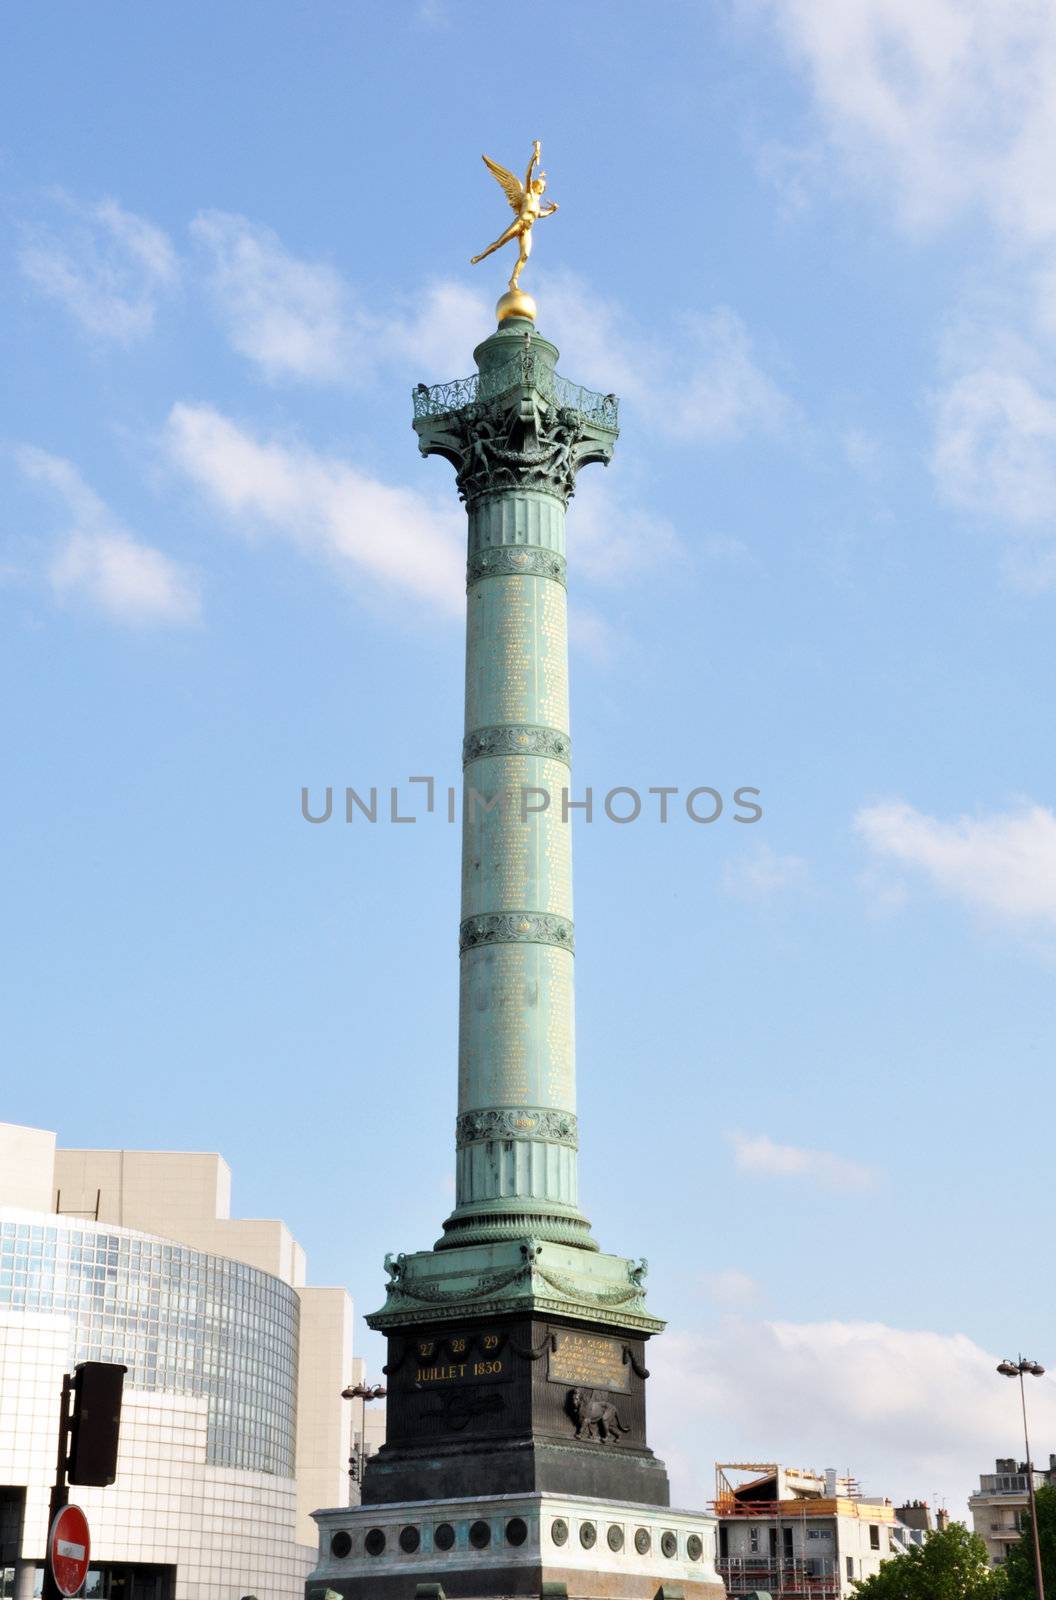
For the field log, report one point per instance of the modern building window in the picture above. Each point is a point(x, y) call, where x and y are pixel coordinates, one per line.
point(160, 1310)
point(850, 1566)
point(753, 1540)
point(787, 1540)
point(874, 1536)
point(724, 1541)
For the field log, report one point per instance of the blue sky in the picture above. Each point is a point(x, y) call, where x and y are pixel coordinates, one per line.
point(814, 251)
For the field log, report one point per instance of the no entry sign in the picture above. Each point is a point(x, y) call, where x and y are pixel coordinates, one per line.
point(69, 1549)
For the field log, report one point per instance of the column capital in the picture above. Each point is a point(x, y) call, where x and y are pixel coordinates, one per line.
point(516, 424)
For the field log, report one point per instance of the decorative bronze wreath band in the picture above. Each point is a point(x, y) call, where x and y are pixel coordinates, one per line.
point(517, 739)
point(516, 927)
point(527, 560)
point(517, 1122)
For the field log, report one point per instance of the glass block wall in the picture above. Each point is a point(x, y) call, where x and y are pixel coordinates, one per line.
point(181, 1321)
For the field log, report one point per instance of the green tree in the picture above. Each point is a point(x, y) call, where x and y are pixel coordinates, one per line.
point(950, 1565)
point(1019, 1568)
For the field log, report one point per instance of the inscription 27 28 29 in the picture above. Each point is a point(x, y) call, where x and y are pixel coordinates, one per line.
point(583, 1358)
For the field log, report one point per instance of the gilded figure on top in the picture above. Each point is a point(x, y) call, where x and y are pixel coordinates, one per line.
point(527, 201)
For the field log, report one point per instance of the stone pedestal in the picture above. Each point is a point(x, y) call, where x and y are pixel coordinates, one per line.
point(512, 1405)
point(539, 1545)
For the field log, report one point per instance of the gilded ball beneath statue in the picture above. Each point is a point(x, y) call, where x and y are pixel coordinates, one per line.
point(515, 303)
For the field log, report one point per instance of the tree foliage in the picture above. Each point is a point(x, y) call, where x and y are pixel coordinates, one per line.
point(1019, 1568)
point(951, 1564)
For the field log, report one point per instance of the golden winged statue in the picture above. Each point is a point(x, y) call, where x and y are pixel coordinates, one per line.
point(527, 201)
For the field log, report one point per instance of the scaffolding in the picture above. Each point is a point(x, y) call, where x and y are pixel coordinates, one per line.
point(782, 1496)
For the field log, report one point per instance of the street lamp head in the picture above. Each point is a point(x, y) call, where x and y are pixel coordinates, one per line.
point(1008, 1369)
point(1035, 1368)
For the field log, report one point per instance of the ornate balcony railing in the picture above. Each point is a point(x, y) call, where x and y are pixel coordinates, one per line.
point(523, 372)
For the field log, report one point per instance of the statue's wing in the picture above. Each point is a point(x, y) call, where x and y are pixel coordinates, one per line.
point(512, 186)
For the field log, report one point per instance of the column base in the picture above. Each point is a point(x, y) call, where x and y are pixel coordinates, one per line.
point(531, 1545)
point(483, 1224)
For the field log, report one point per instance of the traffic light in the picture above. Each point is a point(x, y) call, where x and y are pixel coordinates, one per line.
point(96, 1422)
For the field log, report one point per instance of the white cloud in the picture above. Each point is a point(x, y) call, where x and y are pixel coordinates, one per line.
point(995, 447)
point(294, 318)
point(1003, 865)
point(300, 319)
point(764, 874)
point(101, 564)
point(105, 265)
point(911, 1412)
point(320, 504)
point(950, 103)
point(725, 393)
point(437, 331)
point(758, 1153)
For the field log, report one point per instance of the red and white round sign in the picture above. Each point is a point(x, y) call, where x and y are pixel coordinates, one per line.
point(69, 1550)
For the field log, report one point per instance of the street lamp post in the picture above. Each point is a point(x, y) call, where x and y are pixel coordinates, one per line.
point(361, 1392)
point(1016, 1369)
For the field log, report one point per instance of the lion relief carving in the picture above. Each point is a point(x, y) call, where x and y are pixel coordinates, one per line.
point(594, 1418)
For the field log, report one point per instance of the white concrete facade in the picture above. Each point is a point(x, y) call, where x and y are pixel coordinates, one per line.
point(233, 1427)
point(1001, 1502)
point(799, 1547)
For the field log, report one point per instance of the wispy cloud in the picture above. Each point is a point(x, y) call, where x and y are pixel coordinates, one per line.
point(731, 1287)
point(614, 538)
point(1003, 865)
point(106, 266)
point(363, 528)
point(703, 383)
point(763, 874)
point(100, 563)
point(945, 106)
point(757, 1153)
point(948, 112)
point(293, 318)
point(300, 319)
point(995, 456)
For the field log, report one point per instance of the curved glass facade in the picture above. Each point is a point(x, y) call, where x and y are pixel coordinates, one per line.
point(181, 1321)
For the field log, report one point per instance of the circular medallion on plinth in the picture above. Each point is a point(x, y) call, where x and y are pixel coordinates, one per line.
point(341, 1544)
point(410, 1539)
point(559, 1530)
point(516, 1530)
point(374, 1543)
point(444, 1536)
point(694, 1547)
point(588, 1535)
point(668, 1544)
point(480, 1535)
point(643, 1540)
point(615, 1537)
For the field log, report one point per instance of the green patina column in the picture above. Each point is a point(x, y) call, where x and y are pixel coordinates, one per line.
point(507, 1336)
point(516, 1132)
point(517, 434)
